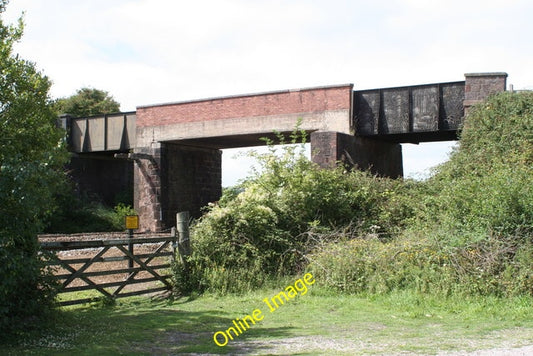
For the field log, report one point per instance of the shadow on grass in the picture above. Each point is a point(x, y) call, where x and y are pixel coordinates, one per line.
point(141, 327)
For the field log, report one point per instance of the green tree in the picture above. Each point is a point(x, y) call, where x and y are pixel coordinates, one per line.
point(88, 102)
point(31, 160)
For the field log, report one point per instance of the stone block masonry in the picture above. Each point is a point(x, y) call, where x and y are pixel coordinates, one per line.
point(170, 178)
point(380, 157)
point(147, 192)
point(192, 178)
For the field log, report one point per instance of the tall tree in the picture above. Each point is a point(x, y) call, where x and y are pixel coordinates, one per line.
point(88, 102)
point(31, 160)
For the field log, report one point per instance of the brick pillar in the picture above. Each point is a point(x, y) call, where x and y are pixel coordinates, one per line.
point(479, 86)
point(380, 157)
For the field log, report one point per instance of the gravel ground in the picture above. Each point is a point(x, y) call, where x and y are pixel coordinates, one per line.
point(320, 345)
point(95, 236)
point(519, 351)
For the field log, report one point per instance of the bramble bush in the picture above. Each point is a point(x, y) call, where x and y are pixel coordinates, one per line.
point(486, 186)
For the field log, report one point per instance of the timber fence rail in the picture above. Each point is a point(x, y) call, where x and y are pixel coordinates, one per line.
point(104, 266)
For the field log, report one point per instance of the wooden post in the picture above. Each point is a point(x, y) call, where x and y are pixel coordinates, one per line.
point(182, 224)
point(184, 244)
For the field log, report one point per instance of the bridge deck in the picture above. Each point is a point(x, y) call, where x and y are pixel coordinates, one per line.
point(419, 113)
point(112, 132)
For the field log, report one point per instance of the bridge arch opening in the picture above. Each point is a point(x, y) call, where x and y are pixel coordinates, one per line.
point(418, 160)
point(237, 164)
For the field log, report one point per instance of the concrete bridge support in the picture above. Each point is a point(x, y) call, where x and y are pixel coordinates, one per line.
point(170, 178)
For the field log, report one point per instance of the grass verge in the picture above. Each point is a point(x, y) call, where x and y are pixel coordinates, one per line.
point(313, 324)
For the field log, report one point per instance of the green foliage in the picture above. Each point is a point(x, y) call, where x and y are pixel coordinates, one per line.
point(78, 215)
point(467, 230)
point(31, 159)
point(486, 186)
point(473, 235)
point(423, 265)
point(365, 264)
point(88, 102)
point(120, 212)
point(261, 232)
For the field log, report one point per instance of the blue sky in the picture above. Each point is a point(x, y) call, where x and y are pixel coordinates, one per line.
point(153, 51)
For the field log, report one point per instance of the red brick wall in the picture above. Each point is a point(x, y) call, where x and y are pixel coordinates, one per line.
point(479, 86)
point(276, 103)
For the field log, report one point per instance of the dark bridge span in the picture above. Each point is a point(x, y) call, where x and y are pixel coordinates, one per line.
point(173, 150)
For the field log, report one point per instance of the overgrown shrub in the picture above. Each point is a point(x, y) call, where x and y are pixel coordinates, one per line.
point(487, 185)
point(260, 232)
point(370, 265)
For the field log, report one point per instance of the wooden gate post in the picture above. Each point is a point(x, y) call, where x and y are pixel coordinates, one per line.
point(184, 243)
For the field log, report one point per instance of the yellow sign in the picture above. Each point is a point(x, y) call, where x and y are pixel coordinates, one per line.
point(132, 222)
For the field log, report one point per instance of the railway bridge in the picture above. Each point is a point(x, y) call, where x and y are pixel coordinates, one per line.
point(171, 153)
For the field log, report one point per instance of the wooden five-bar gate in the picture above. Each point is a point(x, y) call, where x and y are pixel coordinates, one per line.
point(110, 266)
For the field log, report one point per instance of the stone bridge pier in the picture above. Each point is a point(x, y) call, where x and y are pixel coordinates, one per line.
point(170, 177)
